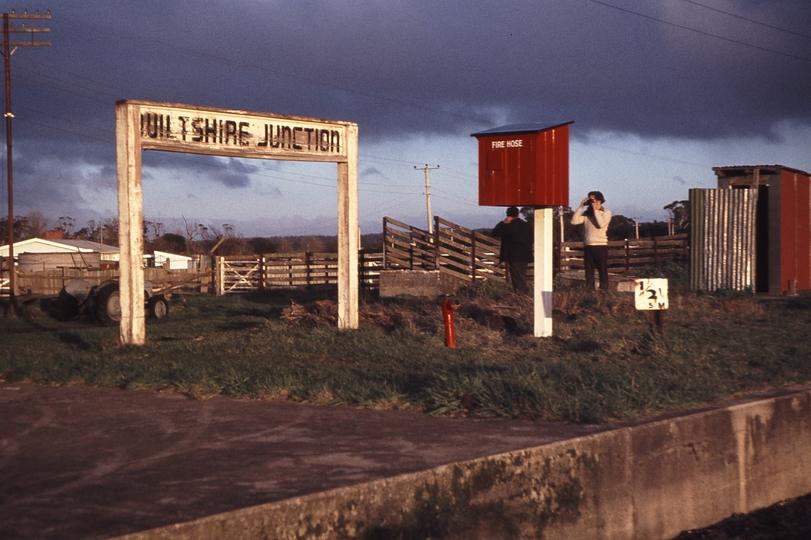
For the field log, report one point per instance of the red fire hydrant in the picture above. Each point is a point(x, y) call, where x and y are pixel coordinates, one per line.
point(449, 305)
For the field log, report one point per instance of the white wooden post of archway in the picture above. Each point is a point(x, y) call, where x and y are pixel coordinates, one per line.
point(143, 125)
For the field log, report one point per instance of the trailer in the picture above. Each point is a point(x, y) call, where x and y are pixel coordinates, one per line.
point(103, 302)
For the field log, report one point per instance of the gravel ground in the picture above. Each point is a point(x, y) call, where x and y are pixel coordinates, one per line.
point(786, 520)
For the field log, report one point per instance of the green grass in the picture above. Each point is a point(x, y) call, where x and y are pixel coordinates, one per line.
point(603, 363)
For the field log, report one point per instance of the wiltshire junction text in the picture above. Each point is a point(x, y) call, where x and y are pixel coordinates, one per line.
point(225, 132)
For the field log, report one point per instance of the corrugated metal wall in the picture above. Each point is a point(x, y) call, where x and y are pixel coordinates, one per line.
point(723, 239)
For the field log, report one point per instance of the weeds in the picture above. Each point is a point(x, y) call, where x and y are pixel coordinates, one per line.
point(604, 362)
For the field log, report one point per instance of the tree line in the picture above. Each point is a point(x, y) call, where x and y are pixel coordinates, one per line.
point(193, 239)
point(200, 239)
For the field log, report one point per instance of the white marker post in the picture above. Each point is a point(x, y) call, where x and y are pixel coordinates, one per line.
point(651, 294)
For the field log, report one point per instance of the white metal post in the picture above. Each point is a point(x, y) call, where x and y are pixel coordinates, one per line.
point(544, 271)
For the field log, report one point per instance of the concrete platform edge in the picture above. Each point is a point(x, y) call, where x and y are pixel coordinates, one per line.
point(648, 481)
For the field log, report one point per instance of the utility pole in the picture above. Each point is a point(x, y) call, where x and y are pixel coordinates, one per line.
point(7, 52)
point(428, 196)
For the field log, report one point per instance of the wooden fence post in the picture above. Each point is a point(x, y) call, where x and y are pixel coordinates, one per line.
point(308, 268)
point(385, 243)
point(361, 269)
point(219, 266)
point(473, 257)
point(627, 255)
point(437, 252)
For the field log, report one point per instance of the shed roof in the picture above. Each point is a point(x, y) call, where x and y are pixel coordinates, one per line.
point(529, 127)
point(746, 170)
point(173, 256)
point(42, 245)
point(88, 245)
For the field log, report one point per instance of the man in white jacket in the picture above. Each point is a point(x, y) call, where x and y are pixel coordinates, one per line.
point(595, 218)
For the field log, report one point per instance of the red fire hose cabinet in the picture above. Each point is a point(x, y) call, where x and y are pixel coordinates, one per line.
point(524, 165)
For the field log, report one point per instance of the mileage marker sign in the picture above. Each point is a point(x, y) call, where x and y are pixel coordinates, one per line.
point(650, 294)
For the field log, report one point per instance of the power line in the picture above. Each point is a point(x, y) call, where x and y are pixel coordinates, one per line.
point(387, 160)
point(457, 198)
point(650, 156)
point(701, 32)
point(735, 15)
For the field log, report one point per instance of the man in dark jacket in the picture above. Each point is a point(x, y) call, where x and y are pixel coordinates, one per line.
point(516, 248)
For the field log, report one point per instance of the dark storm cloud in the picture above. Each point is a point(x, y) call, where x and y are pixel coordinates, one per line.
point(372, 172)
point(670, 68)
point(236, 175)
point(654, 69)
point(231, 180)
point(441, 66)
point(231, 173)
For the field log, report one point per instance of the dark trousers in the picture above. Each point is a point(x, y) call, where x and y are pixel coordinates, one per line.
point(596, 258)
point(517, 272)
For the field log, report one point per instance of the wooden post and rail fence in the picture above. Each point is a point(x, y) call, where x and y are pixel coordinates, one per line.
point(625, 254)
point(466, 254)
point(472, 255)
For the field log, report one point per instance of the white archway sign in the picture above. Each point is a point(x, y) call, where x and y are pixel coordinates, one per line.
point(144, 125)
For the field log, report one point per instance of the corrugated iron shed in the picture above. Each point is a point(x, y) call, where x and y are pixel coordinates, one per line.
point(723, 236)
point(782, 242)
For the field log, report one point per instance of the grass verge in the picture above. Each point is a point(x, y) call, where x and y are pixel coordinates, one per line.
point(604, 362)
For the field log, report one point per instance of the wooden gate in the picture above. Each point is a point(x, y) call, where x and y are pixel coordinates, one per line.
point(238, 276)
point(242, 274)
